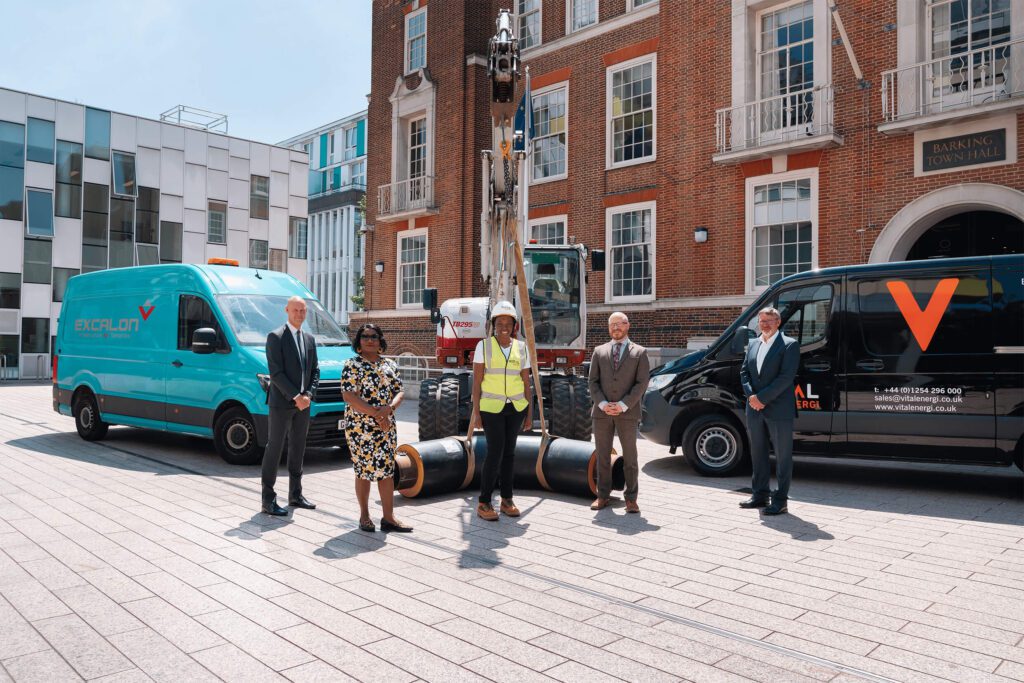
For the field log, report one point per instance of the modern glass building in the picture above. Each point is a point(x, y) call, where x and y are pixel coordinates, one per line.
point(337, 186)
point(83, 189)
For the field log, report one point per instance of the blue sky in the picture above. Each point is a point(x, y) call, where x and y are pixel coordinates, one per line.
point(276, 69)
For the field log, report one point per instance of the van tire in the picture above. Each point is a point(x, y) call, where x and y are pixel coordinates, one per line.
point(234, 437)
point(714, 446)
point(87, 418)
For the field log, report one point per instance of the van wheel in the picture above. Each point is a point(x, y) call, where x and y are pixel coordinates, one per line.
point(234, 437)
point(87, 418)
point(714, 446)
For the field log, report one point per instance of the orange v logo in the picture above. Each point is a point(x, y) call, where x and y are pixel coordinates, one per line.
point(923, 323)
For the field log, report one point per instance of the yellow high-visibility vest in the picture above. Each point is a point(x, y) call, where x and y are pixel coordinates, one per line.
point(502, 381)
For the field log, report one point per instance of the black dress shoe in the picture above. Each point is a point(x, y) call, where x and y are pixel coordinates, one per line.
point(275, 510)
point(385, 525)
point(777, 507)
point(302, 503)
point(754, 502)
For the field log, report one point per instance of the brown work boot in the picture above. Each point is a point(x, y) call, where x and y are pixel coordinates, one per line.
point(631, 506)
point(486, 511)
point(600, 503)
point(509, 508)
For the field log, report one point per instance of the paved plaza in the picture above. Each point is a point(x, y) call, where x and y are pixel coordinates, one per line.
point(143, 557)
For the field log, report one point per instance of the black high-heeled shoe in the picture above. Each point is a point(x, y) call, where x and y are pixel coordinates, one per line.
point(385, 525)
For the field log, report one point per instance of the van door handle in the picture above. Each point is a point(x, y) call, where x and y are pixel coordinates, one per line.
point(177, 363)
point(820, 366)
point(871, 364)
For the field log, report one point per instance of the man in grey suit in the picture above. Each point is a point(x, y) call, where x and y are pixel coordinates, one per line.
point(294, 374)
point(619, 375)
point(767, 374)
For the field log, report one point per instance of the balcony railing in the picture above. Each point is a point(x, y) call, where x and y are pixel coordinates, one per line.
point(775, 120)
point(335, 190)
point(962, 81)
point(406, 196)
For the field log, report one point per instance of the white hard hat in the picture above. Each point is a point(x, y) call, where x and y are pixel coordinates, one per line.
point(503, 308)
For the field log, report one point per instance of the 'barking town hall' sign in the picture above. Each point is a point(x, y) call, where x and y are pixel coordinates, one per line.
point(984, 147)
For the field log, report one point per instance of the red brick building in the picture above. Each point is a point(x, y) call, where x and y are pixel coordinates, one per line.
point(710, 148)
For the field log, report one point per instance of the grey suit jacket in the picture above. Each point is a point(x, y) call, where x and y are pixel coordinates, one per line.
point(627, 384)
point(774, 384)
point(286, 370)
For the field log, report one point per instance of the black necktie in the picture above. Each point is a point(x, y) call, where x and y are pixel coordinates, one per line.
point(302, 356)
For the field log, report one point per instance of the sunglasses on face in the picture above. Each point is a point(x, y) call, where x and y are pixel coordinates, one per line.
point(369, 337)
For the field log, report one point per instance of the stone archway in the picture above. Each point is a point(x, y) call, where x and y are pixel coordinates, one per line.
point(914, 219)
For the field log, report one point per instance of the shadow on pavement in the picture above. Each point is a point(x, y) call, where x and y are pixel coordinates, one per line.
point(797, 528)
point(980, 493)
point(625, 524)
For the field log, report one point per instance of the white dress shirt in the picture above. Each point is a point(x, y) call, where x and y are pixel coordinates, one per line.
point(762, 351)
point(302, 358)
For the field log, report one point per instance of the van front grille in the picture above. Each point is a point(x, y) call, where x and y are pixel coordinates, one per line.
point(328, 391)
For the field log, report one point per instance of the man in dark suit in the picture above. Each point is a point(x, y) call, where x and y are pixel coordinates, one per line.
point(619, 375)
point(768, 373)
point(294, 374)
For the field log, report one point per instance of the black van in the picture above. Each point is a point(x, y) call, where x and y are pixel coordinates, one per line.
point(920, 360)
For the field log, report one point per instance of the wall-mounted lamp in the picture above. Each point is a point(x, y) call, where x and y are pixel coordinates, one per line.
point(700, 234)
point(379, 267)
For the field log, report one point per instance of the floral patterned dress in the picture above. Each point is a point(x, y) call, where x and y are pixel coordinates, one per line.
point(372, 449)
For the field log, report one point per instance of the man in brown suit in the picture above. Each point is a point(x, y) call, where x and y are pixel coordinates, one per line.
point(619, 374)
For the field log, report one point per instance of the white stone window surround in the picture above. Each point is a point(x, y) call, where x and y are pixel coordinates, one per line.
point(609, 136)
point(751, 183)
point(746, 21)
point(609, 250)
point(548, 220)
point(637, 4)
point(407, 67)
point(399, 238)
point(406, 106)
point(544, 91)
point(570, 5)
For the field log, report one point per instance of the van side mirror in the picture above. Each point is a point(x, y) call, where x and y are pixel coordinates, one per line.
point(430, 304)
point(204, 340)
point(597, 260)
point(740, 338)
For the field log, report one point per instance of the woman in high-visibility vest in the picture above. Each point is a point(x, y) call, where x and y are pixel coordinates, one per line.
point(502, 404)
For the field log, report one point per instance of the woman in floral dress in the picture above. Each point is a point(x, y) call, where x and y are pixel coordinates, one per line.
point(372, 391)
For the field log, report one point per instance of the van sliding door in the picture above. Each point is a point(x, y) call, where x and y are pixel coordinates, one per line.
point(919, 380)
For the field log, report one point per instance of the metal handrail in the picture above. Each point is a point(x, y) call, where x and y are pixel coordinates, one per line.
point(41, 372)
point(952, 82)
point(776, 119)
point(405, 195)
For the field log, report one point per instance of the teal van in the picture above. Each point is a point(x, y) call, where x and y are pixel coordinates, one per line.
point(181, 348)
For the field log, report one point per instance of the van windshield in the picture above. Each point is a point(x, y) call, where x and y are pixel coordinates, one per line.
point(253, 316)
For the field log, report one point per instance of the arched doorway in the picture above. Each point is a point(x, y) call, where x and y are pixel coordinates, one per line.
point(972, 233)
point(931, 210)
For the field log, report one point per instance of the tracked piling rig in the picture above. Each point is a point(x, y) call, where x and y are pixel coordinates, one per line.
point(545, 281)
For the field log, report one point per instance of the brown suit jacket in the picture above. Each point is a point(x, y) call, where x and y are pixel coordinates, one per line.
point(627, 384)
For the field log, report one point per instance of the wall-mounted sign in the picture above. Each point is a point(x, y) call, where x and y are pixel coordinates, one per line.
point(984, 147)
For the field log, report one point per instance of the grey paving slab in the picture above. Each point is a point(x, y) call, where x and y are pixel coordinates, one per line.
point(343, 655)
point(177, 571)
point(260, 642)
point(104, 615)
point(232, 664)
point(41, 667)
point(158, 658)
point(81, 646)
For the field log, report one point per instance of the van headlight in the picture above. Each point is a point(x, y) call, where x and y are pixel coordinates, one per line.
point(264, 381)
point(659, 382)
